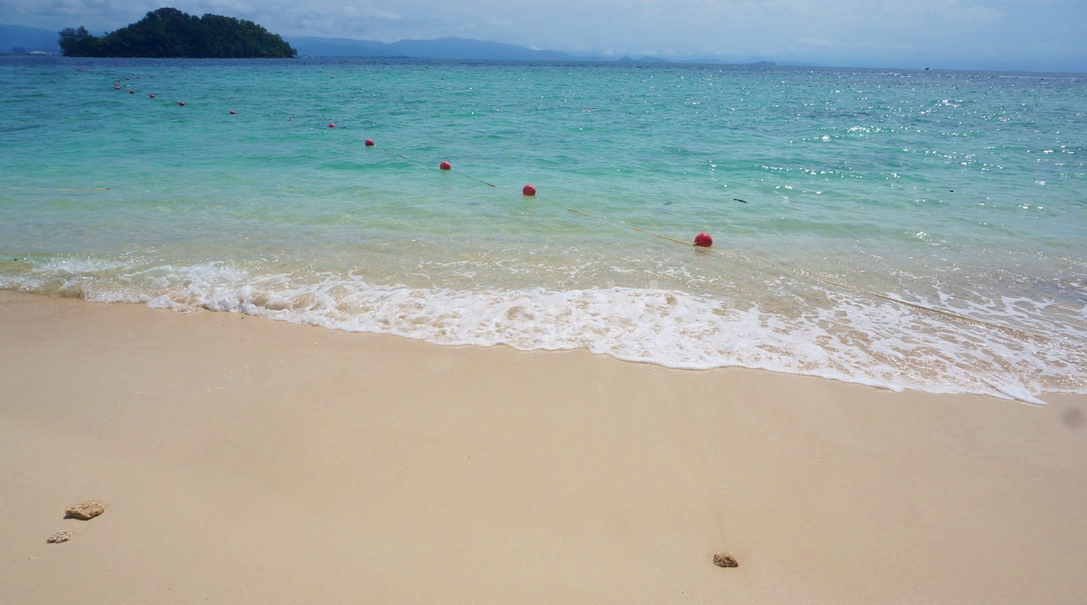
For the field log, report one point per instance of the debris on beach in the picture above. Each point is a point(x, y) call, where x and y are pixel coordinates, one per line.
point(725, 560)
point(85, 510)
point(58, 537)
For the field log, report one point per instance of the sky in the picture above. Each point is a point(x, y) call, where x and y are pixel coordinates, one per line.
point(1033, 35)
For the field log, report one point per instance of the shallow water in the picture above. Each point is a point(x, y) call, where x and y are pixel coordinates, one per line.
point(905, 229)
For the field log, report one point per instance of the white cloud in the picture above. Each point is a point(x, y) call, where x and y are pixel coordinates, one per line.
point(496, 21)
point(386, 15)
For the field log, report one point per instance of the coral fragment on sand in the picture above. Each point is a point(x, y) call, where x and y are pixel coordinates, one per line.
point(58, 537)
point(85, 510)
point(725, 560)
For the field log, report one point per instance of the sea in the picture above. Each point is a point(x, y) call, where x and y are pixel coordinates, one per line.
point(899, 228)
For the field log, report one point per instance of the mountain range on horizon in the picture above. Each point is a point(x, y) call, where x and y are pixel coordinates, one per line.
point(439, 48)
point(19, 39)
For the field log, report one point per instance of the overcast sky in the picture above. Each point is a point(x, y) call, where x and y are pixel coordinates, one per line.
point(980, 34)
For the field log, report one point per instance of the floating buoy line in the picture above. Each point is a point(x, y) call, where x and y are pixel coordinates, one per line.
point(629, 226)
point(530, 190)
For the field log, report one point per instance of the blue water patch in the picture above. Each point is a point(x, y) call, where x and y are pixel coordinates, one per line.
point(906, 229)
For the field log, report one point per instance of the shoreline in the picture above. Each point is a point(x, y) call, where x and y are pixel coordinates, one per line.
point(245, 460)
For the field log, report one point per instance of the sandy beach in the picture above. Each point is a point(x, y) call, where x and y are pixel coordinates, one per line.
point(250, 461)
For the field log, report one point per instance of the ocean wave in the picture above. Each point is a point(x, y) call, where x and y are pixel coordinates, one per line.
point(870, 340)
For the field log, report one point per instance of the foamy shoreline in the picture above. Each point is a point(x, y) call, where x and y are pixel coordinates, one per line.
point(249, 461)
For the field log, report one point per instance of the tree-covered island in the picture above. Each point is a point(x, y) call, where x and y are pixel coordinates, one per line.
point(170, 33)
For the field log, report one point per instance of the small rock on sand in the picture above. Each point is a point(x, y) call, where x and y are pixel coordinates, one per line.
point(725, 560)
point(85, 510)
point(58, 537)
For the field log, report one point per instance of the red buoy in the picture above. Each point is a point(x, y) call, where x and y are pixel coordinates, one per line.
point(703, 240)
point(445, 166)
point(331, 125)
point(232, 112)
point(131, 91)
point(369, 142)
point(529, 190)
point(152, 95)
point(181, 103)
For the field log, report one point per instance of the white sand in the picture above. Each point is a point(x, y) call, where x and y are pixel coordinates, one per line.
point(248, 461)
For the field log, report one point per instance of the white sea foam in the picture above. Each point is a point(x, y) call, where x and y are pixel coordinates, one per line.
point(849, 338)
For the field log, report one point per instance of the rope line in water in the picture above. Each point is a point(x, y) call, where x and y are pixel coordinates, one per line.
point(573, 210)
point(623, 223)
point(404, 157)
point(475, 179)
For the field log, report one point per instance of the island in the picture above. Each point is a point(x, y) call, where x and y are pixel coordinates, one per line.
point(170, 33)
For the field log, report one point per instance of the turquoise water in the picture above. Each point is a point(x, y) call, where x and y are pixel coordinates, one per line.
point(904, 229)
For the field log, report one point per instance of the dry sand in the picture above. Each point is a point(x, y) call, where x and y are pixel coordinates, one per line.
point(248, 461)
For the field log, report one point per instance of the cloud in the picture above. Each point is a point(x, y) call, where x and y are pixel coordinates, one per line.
point(496, 21)
point(386, 15)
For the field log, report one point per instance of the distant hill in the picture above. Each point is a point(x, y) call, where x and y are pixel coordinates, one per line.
point(170, 33)
point(18, 39)
point(442, 48)
point(642, 60)
point(460, 48)
point(343, 47)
